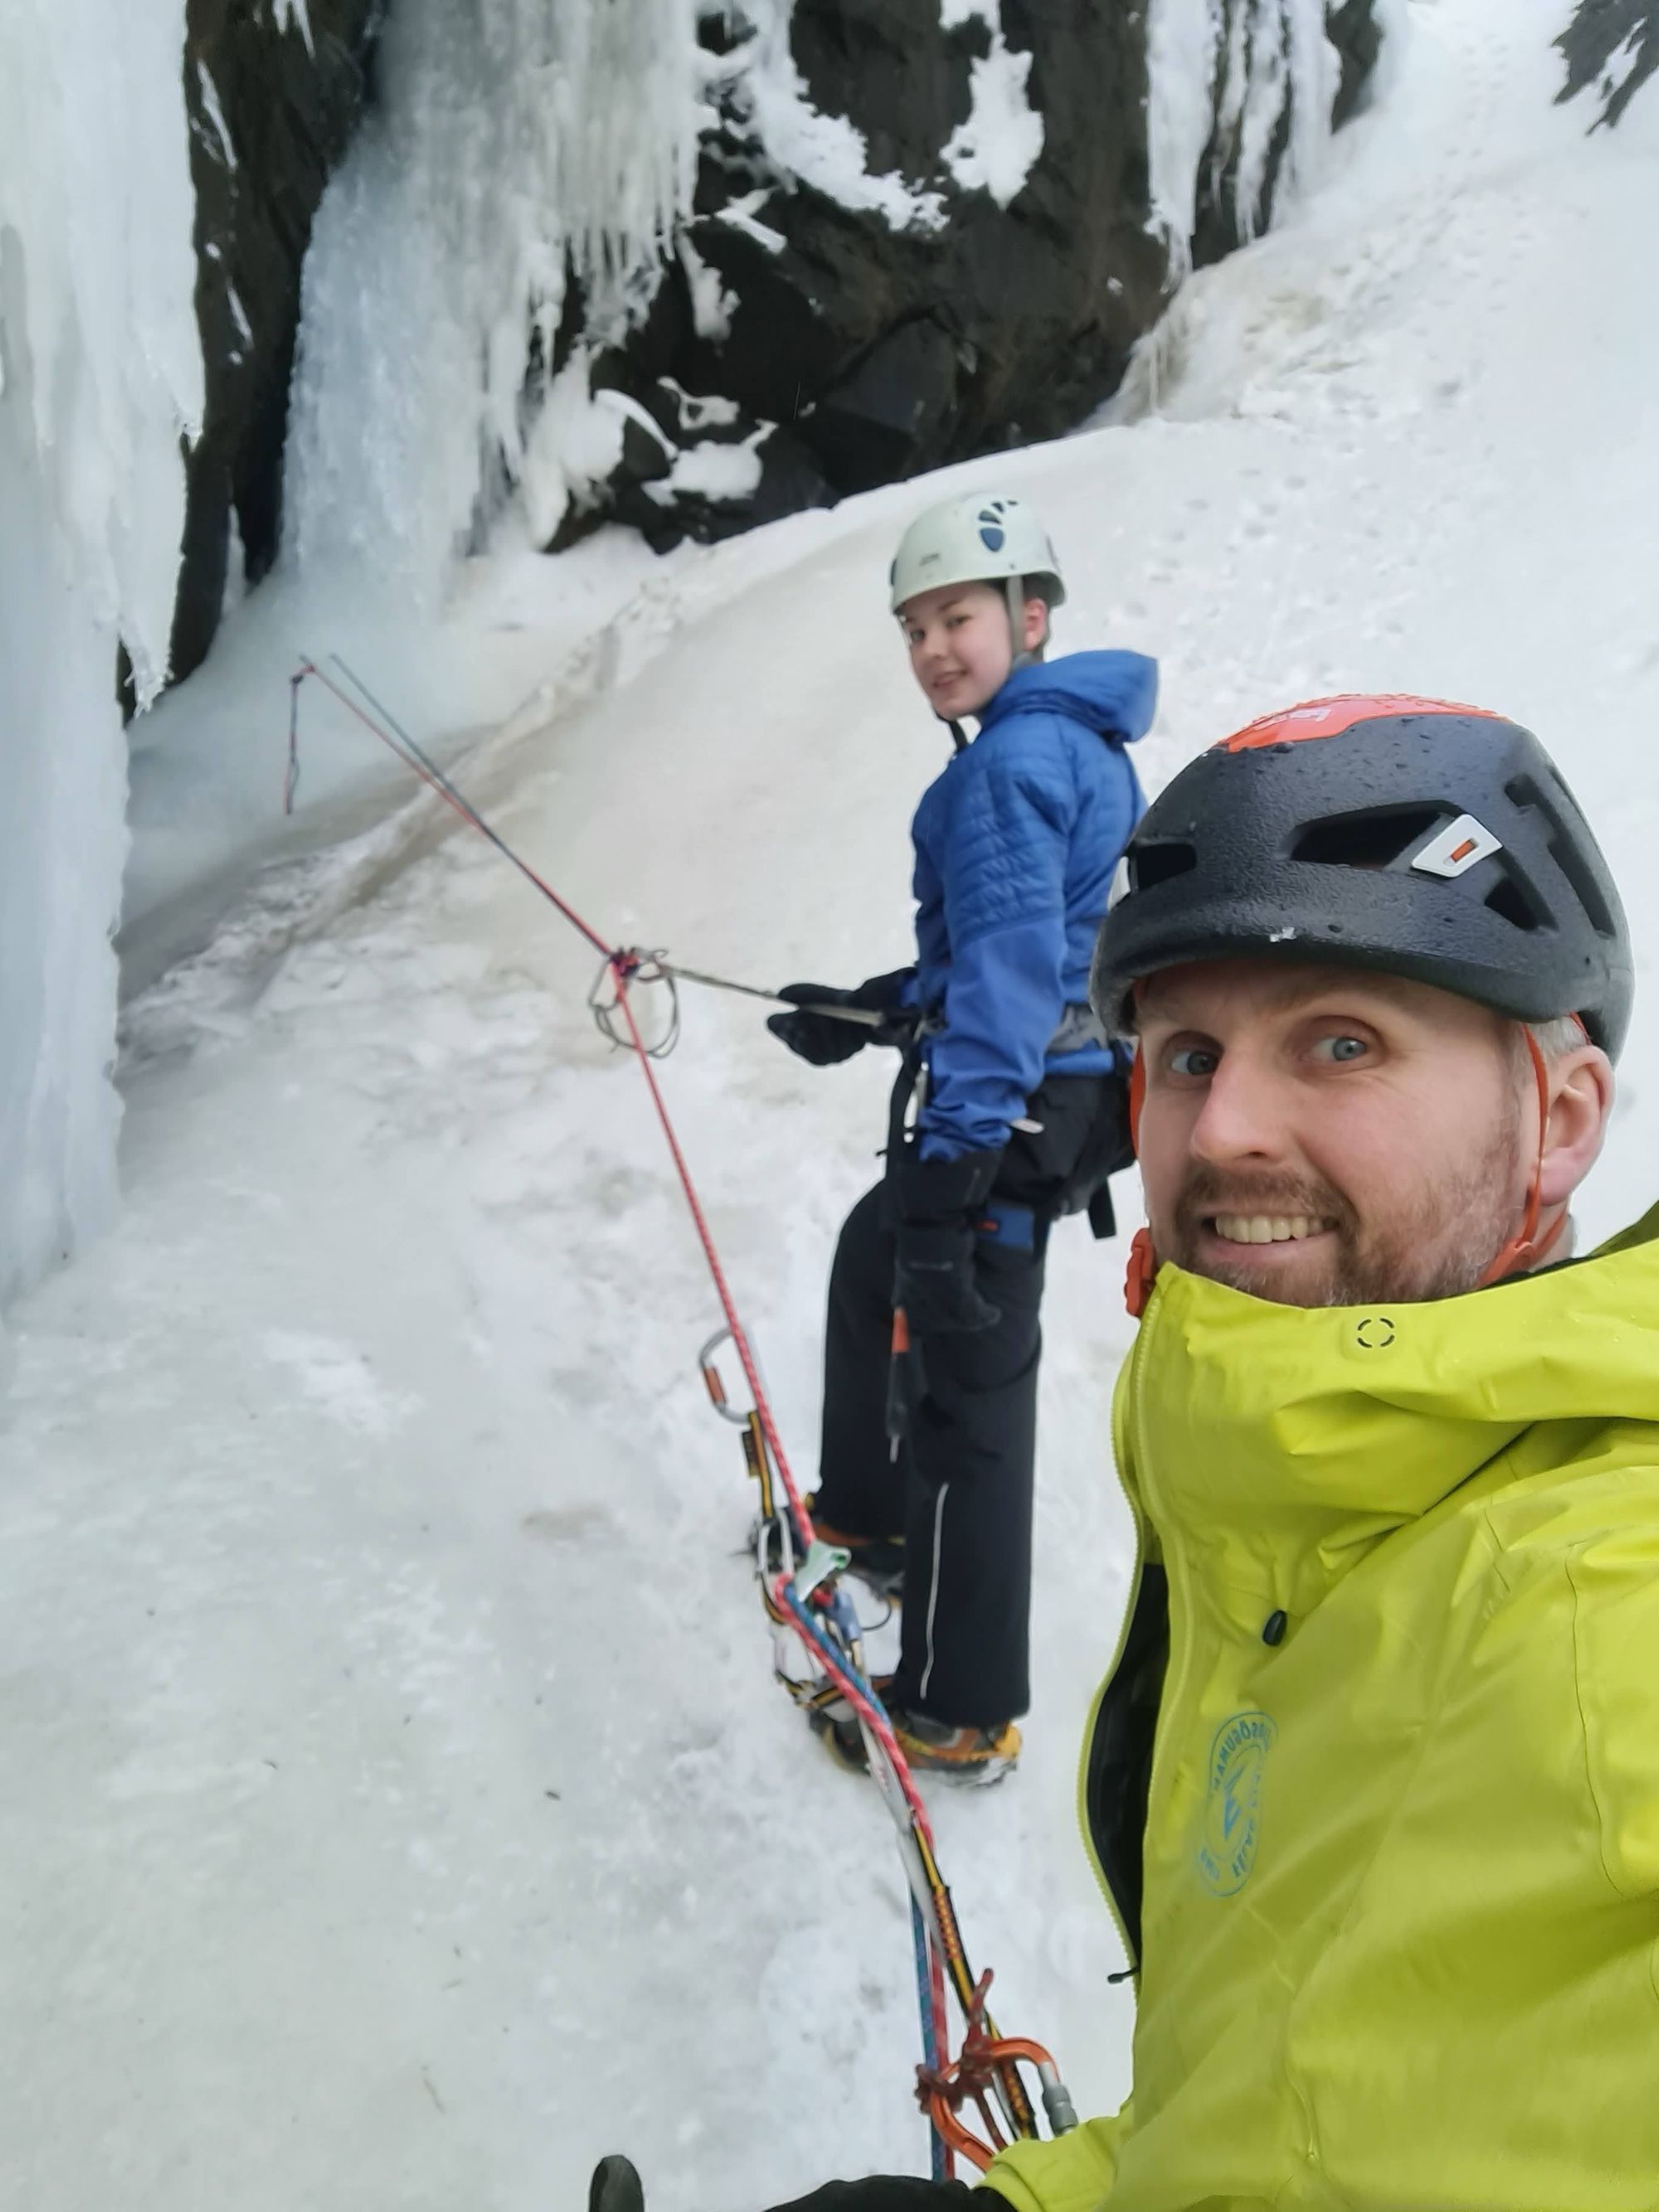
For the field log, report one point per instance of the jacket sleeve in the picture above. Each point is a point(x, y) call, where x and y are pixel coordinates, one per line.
point(1073, 2172)
point(1005, 912)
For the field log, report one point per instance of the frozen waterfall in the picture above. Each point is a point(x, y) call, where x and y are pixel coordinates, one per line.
point(100, 377)
point(1224, 76)
point(516, 145)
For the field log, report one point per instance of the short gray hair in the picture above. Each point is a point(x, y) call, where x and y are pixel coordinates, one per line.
point(1556, 1039)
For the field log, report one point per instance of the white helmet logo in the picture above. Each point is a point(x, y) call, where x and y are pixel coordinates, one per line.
point(1455, 849)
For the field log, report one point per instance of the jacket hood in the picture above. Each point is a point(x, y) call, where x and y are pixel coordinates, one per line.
point(1285, 1432)
point(1114, 693)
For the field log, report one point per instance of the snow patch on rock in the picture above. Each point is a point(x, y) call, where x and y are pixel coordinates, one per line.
point(294, 15)
point(712, 470)
point(711, 303)
point(215, 115)
point(826, 152)
point(998, 147)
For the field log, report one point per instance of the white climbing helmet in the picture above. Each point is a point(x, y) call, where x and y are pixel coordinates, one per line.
point(981, 537)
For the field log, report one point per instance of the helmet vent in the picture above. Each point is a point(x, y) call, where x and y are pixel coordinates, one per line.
point(1151, 864)
point(1508, 900)
point(1567, 850)
point(1369, 838)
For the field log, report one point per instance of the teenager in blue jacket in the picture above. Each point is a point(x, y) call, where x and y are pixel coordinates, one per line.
point(1010, 1110)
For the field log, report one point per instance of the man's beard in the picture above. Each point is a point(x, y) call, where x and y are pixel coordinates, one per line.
point(1433, 1242)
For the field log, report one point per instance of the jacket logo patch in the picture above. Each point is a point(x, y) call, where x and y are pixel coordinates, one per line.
point(1232, 1808)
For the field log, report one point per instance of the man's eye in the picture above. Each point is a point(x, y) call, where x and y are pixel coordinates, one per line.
point(1195, 1059)
point(1342, 1048)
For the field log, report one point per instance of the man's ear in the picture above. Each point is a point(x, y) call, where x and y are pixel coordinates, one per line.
point(1580, 1099)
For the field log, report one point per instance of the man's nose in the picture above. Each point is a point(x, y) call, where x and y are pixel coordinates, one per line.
point(1243, 1115)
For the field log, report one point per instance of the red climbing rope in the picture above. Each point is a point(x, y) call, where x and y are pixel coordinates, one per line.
point(623, 966)
point(430, 774)
point(820, 1616)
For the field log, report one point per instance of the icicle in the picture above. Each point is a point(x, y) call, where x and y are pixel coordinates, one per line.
point(1224, 73)
point(1183, 40)
point(101, 375)
point(514, 140)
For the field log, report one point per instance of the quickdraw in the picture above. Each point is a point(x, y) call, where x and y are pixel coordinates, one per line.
point(798, 1574)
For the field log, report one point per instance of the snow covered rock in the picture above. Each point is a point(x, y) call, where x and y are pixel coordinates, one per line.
point(925, 229)
point(913, 231)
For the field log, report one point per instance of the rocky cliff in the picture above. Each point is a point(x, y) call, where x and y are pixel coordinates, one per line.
point(920, 230)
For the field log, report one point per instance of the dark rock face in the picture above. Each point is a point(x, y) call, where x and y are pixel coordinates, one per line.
point(968, 290)
point(1354, 31)
point(1615, 44)
point(271, 110)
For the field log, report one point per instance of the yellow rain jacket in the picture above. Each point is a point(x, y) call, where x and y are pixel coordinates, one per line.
point(1374, 1781)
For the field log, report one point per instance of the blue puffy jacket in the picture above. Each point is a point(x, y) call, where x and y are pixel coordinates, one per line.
point(1016, 846)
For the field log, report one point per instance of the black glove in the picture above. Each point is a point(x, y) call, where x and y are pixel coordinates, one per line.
point(822, 1039)
point(897, 2192)
point(616, 2188)
point(939, 1204)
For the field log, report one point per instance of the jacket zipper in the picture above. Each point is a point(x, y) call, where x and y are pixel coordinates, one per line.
point(1148, 1323)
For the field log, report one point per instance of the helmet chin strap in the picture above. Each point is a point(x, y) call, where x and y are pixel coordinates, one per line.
point(1525, 1249)
point(1143, 1255)
point(1024, 656)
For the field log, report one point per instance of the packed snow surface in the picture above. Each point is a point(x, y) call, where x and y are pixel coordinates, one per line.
point(101, 378)
point(400, 1813)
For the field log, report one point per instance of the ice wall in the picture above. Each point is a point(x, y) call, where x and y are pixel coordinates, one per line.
point(1221, 76)
point(101, 375)
point(514, 143)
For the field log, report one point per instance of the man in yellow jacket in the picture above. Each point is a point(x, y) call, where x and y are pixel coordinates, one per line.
point(1373, 1785)
point(1375, 1782)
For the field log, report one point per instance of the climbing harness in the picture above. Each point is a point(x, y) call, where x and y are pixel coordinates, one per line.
point(798, 1574)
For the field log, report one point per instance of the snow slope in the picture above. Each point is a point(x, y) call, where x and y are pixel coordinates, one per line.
point(401, 1814)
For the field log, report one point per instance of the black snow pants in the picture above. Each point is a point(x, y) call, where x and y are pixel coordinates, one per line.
point(960, 1490)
